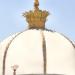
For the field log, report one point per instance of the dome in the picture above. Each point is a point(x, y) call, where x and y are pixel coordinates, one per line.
point(36, 51)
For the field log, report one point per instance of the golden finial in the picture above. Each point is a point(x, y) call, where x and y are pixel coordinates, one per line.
point(36, 4)
point(36, 1)
point(37, 18)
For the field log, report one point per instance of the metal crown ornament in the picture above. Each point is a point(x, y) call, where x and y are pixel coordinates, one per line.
point(37, 18)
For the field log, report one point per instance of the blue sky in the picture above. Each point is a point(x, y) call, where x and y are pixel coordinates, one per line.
point(62, 18)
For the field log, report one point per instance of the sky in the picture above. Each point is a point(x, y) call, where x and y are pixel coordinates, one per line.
point(61, 18)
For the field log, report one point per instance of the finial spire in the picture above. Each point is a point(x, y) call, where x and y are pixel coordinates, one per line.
point(37, 18)
point(36, 4)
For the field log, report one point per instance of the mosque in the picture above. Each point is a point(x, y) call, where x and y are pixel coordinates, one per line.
point(37, 50)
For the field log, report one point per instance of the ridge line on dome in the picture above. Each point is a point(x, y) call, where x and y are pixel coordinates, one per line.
point(6, 50)
point(49, 30)
point(44, 53)
point(68, 39)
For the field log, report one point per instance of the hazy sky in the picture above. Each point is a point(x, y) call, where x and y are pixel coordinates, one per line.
point(62, 18)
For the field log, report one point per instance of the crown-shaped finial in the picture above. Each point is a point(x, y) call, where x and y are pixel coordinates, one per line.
point(36, 18)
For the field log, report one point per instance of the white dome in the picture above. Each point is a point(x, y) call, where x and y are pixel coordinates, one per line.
point(25, 49)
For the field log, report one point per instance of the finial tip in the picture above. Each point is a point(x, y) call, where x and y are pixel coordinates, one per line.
point(36, 4)
point(36, 1)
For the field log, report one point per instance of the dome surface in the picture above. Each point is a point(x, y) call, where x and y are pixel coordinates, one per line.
point(25, 49)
